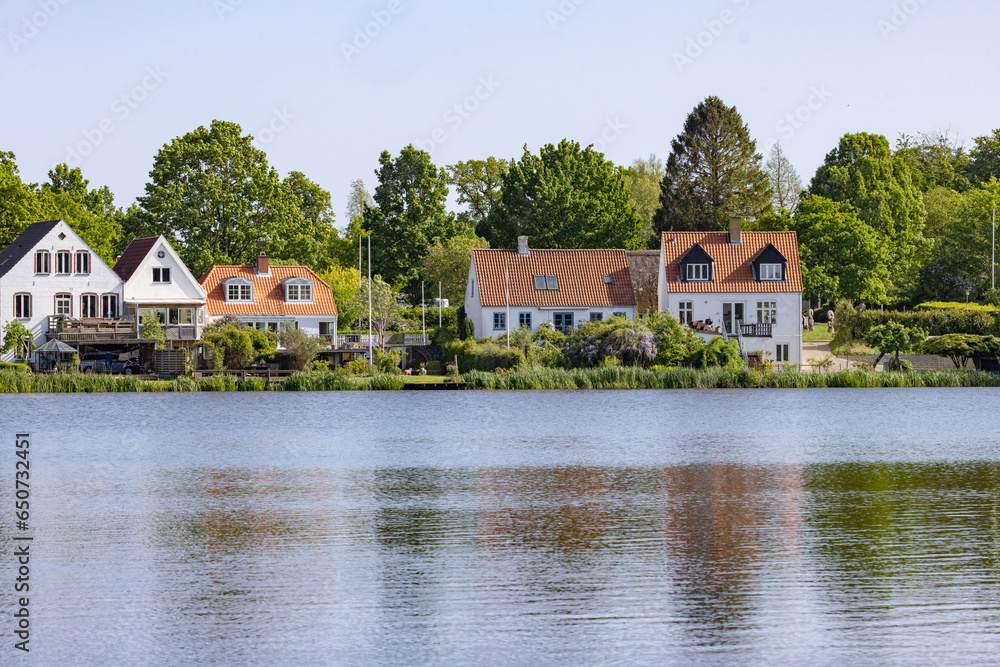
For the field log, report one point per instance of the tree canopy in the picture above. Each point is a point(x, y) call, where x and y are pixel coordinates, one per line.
point(564, 197)
point(786, 186)
point(643, 180)
point(448, 263)
point(713, 172)
point(477, 183)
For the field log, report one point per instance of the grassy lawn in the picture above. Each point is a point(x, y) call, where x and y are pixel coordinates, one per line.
point(855, 349)
point(423, 379)
point(821, 333)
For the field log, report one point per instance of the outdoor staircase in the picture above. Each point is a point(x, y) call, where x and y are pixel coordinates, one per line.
point(739, 340)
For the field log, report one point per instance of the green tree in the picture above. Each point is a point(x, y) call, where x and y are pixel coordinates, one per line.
point(643, 180)
point(448, 263)
point(300, 347)
point(90, 213)
point(343, 282)
point(236, 345)
point(893, 338)
point(786, 186)
point(713, 172)
point(934, 160)
point(311, 239)
point(17, 339)
point(214, 196)
point(564, 197)
point(151, 328)
point(984, 158)
point(964, 248)
point(477, 183)
point(960, 347)
point(409, 213)
point(675, 343)
point(841, 257)
point(18, 204)
point(862, 172)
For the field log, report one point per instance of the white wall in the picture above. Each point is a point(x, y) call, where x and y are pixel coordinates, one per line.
point(182, 288)
point(43, 288)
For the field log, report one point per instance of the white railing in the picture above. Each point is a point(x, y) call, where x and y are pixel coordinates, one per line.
point(416, 339)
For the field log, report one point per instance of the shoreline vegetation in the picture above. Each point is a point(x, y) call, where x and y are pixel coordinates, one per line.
point(615, 377)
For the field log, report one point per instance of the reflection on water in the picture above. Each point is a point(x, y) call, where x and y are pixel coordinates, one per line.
point(172, 558)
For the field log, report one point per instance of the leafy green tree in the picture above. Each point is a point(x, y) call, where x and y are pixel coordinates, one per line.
point(960, 347)
point(312, 239)
point(300, 347)
point(344, 284)
point(18, 204)
point(409, 213)
point(91, 213)
point(236, 345)
point(477, 183)
point(448, 263)
point(934, 160)
point(893, 338)
point(564, 197)
point(643, 180)
point(17, 339)
point(862, 172)
point(718, 352)
point(984, 158)
point(713, 172)
point(841, 257)
point(151, 328)
point(675, 343)
point(214, 196)
point(786, 186)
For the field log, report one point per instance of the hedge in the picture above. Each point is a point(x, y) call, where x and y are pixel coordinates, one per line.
point(935, 322)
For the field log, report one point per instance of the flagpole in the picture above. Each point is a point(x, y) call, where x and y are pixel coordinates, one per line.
point(440, 304)
point(371, 350)
point(993, 263)
point(423, 314)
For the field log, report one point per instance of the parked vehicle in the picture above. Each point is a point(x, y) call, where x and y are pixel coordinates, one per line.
point(127, 367)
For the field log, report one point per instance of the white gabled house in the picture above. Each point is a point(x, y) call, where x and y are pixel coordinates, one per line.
point(564, 287)
point(157, 283)
point(49, 274)
point(749, 283)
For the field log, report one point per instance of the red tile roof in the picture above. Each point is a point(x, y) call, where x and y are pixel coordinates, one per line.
point(580, 274)
point(133, 256)
point(733, 272)
point(269, 298)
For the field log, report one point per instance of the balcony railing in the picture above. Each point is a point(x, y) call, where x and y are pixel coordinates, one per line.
point(91, 328)
point(758, 330)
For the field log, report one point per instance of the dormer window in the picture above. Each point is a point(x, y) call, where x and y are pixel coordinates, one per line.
point(546, 283)
point(770, 272)
point(696, 266)
point(298, 289)
point(697, 271)
point(238, 289)
point(770, 265)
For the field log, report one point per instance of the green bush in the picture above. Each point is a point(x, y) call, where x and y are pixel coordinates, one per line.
point(718, 352)
point(11, 366)
point(954, 305)
point(934, 322)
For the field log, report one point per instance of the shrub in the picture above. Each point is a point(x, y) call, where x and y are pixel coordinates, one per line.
point(675, 343)
point(300, 347)
point(235, 345)
point(720, 353)
point(954, 305)
point(17, 368)
point(631, 342)
point(960, 347)
point(934, 322)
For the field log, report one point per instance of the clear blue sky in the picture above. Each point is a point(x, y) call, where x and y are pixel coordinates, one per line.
point(105, 84)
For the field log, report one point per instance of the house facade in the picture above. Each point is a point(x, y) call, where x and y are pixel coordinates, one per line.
point(747, 283)
point(266, 297)
point(156, 283)
point(49, 277)
point(532, 287)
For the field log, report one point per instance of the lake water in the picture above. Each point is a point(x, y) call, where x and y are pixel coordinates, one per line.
point(522, 528)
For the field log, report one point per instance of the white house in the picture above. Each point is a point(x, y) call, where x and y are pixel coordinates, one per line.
point(268, 296)
point(749, 283)
point(530, 287)
point(157, 283)
point(49, 271)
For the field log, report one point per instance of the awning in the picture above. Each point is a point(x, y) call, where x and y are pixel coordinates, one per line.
point(55, 345)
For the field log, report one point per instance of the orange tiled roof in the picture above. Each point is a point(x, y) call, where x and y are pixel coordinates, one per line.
point(733, 272)
point(269, 298)
point(580, 274)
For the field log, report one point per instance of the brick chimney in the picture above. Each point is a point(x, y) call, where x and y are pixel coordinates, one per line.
point(522, 247)
point(263, 269)
point(735, 235)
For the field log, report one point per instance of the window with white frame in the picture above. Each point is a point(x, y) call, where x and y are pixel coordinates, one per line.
point(239, 291)
point(697, 271)
point(63, 264)
point(42, 261)
point(596, 317)
point(180, 316)
point(82, 261)
point(161, 274)
point(22, 306)
point(327, 329)
point(770, 272)
point(767, 312)
point(500, 321)
point(109, 306)
point(64, 305)
point(781, 352)
point(685, 312)
point(298, 292)
point(524, 320)
point(88, 305)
